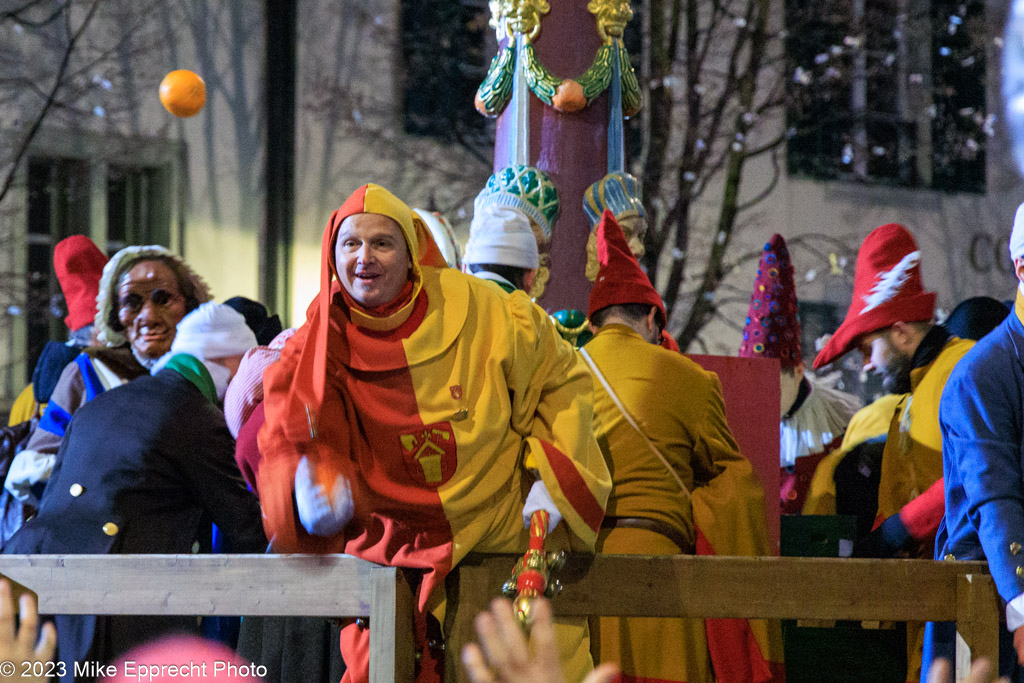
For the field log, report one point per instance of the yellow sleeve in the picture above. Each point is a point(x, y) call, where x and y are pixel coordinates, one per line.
point(553, 408)
point(24, 407)
point(870, 421)
point(729, 510)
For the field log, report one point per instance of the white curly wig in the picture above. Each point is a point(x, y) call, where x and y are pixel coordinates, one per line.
point(121, 263)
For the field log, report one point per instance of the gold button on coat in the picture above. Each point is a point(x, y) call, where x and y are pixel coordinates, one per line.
point(949, 557)
point(76, 490)
point(110, 529)
point(1015, 548)
point(1020, 571)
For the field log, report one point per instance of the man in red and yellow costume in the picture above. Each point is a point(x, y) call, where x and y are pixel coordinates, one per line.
point(680, 483)
point(420, 414)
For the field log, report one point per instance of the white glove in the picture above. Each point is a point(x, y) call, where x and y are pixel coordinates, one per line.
point(540, 499)
point(322, 513)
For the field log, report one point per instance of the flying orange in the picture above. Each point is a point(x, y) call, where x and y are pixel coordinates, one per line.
point(183, 93)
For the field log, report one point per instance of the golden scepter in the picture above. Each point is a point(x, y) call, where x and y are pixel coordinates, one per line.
point(531, 577)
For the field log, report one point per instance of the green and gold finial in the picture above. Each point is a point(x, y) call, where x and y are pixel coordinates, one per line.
point(612, 17)
point(519, 16)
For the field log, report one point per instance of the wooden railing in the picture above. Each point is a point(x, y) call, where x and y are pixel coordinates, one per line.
point(231, 585)
point(674, 586)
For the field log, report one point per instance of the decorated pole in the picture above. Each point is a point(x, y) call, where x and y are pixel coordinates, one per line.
point(560, 62)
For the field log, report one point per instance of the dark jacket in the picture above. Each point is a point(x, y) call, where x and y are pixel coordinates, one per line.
point(138, 467)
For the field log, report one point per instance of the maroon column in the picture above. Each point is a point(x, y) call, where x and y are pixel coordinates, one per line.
point(571, 148)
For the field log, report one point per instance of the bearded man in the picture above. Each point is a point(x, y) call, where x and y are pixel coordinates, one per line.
point(143, 294)
point(410, 415)
point(890, 322)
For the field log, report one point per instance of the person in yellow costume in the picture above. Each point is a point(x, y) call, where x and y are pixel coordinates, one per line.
point(421, 414)
point(972, 318)
point(679, 483)
point(890, 320)
point(868, 424)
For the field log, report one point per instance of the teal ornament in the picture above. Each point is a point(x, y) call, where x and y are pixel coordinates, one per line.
point(573, 327)
point(526, 188)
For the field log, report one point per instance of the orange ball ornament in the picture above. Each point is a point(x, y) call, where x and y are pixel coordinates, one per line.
point(569, 97)
point(183, 93)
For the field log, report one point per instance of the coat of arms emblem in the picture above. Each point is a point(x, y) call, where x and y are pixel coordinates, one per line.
point(430, 453)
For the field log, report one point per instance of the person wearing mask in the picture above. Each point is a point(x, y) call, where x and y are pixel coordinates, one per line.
point(143, 294)
point(140, 466)
point(813, 415)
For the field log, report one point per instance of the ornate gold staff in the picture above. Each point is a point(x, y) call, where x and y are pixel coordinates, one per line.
point(531, 577)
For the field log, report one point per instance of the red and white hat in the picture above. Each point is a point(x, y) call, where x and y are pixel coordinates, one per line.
point(887, 289)
point(620, 280)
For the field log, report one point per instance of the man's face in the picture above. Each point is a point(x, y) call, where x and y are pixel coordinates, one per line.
point(149, 305)
point(883, 358)
point(371, 258)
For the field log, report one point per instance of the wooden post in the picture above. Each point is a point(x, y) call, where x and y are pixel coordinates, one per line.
point(392, 651)
point(470, 591)
point(977, 623)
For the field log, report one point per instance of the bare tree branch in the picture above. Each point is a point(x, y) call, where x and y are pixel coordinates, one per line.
point(51, 100)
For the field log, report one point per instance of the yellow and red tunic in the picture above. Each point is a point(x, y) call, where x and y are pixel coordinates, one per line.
point(435, 412)
point(911, 476)
point(436, 423)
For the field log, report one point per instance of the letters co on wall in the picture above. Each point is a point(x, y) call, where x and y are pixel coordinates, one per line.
point(988, 254)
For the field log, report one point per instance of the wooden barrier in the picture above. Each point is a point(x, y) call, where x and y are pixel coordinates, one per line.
point(250, 585)
point(758, 588)
point(673, 586)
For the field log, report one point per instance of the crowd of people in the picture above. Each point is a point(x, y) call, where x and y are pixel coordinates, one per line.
point(424, 411)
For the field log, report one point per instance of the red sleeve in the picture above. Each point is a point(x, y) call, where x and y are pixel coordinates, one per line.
point(280, 457)
point(247, 449)
point(922, 515)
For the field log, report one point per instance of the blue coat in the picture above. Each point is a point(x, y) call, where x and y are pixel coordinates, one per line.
point(981, 416)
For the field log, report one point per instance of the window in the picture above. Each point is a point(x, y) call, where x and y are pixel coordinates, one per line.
point(58, 206)
point(883, 92)
point(134, 214)
point(446, 49)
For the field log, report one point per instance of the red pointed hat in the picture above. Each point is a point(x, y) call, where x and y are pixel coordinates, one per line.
point(620, 280)
point(79, 266)
point(887, 289)
point(772, 329)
